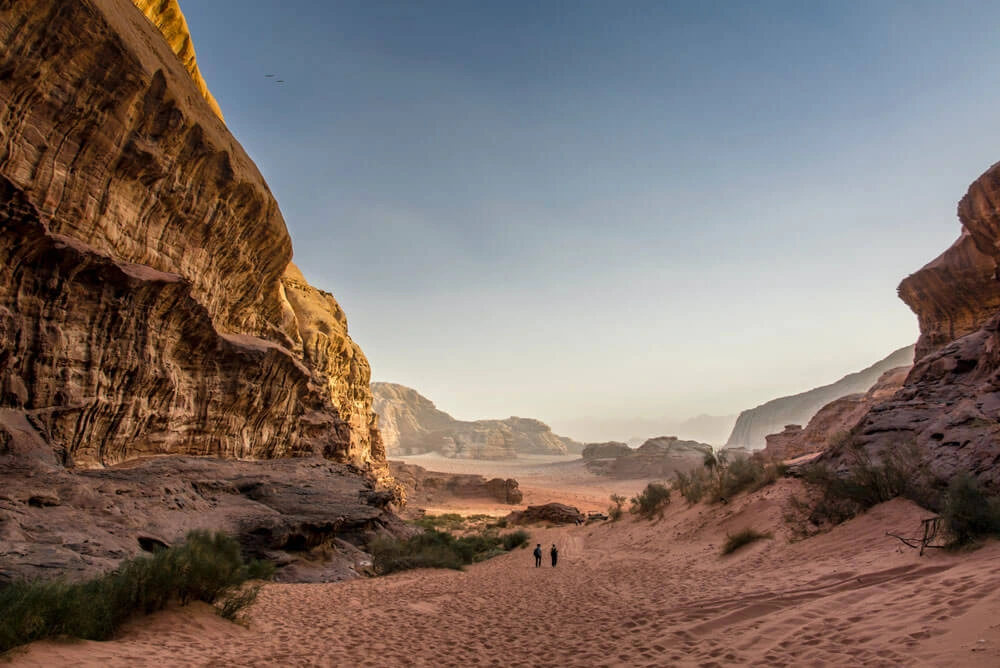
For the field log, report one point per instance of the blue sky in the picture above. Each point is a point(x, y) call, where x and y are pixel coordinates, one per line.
point(573, 210)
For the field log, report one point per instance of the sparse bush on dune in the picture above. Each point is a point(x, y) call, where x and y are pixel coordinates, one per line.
point(616, 510)
point(720, 479)
point(868, 482)
point(968, 511)
point(438, 549)
point(206, 567)
point(651, 501)
point(744, 537)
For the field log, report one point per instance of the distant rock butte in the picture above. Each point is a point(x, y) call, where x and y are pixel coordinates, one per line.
point(411, 424)
point(949, 406)
point(659, 457)
point(834, 420)
point(753, 425)
point(423, 486)
point(148, 305)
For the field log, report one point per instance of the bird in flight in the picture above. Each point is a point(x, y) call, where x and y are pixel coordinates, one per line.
point(268, 75)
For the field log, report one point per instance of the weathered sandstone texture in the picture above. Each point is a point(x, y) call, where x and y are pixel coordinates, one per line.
point(167, 17)
point(411, 424)
point(608, 450)
point(949, 406)
point(310, 516)
point(659, 457)
point(423, 486)
point(550, 513)
point(147, 301)
point(834, 420)
point(753, 425)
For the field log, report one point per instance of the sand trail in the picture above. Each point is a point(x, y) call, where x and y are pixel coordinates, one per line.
point(630, 594)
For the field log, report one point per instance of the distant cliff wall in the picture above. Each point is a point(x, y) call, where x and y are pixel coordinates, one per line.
point(753, 426)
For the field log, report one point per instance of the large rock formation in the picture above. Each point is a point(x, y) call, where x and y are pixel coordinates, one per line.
point(424, 487)
point(753, 425)
point(147, 301)
point(411, 424)
point(659, 457)
point(834, 420)
point(949, 406)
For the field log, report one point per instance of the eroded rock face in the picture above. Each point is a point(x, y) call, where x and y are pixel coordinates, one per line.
point(167, 17)
point(753, 426)
point(949, 407)
point(833, 421)
point(147, 301)
point(411, 424)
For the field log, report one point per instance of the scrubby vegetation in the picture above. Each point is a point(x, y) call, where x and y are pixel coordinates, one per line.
point(744, 537)
point(616, 510)
point(206, 567)
point(457, 522)
point(968, 511)
point(720, 479)
point(868, 482)
point(439, 549)
point(651, 501)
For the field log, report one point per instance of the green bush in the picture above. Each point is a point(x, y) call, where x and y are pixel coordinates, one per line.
point(615, 511)
point(206, 567)
point(968, 511)
point(651, 501)
point(438, 549)
point(515, 539)
point(743, 537)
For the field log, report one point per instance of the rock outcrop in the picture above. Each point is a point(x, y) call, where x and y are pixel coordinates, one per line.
point(550, 513)
point(753, 425)
point(608, 450)
point(147, 301)
point(659, 457)
point(423, 486)
point(949, 407)
point(411, 424)
point(834, 420)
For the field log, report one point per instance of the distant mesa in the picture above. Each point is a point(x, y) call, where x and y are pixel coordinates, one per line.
point(432, 487)
point(411, 424)
point(659, 457)
point(753, 426)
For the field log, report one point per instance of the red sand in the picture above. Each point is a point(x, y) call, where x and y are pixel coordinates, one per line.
point(633, 593)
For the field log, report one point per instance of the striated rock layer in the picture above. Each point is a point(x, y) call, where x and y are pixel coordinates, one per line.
point(411, 424)
point(949, 406)
point(834, 420)
point(147, 301)
point(753, 426)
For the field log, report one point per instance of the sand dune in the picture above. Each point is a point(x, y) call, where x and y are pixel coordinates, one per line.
point(628, 594)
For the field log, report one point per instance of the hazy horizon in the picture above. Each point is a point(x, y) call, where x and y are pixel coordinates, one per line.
point(595, 211)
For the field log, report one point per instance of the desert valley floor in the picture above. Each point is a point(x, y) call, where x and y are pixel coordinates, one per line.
point(632, 593)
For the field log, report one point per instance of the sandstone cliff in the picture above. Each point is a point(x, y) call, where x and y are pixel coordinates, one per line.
point(834, 420)
point(428, 487)
point(147, 301)
point(753, 425)
point(949, 406)
point(167, 17)
point(411, 424)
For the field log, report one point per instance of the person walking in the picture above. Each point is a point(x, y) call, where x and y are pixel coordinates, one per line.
point(538, 555)
point(555, 555)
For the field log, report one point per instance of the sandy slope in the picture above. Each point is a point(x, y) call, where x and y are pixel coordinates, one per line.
point(629, 594)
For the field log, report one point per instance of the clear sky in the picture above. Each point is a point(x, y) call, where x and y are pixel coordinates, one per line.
point(572, 210)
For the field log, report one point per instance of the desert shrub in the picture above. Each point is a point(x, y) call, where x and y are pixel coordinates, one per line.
point(438, 549)
point(651, 501)
point(450, 521)
point(868, 482)
point(744, 537)
point(694, 485)
point(515, 539)
point(969, 512)
point(615, 511)
point(205, 567)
